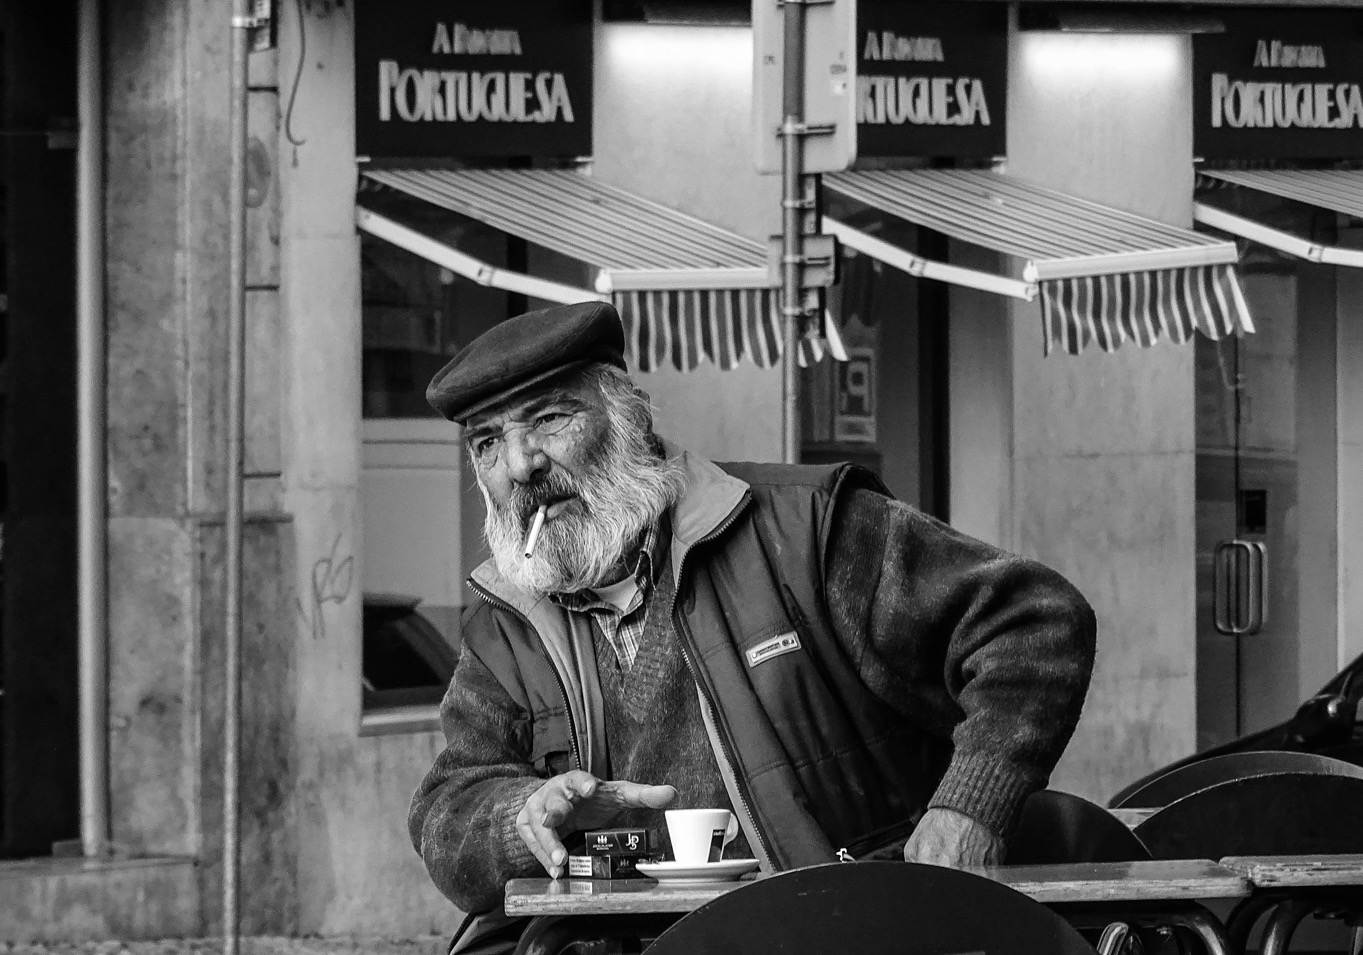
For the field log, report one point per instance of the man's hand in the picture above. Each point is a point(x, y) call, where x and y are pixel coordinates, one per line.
point(948, 838)
point(578, 800)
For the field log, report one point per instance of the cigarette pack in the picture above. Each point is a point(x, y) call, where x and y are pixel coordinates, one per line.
point(606, 866)
point(621, 842)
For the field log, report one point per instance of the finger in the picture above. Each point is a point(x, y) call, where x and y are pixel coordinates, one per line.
point(579, 782)
point(531, 837)
point(558, 809)
point(562, 794)
point(545, 845)
point(548, 807)
point(916, 849)
point(640, 796)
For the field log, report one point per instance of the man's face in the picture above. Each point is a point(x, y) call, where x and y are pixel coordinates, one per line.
point(538, 449)
point(584, 449)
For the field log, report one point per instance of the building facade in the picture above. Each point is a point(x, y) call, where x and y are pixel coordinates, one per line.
point(1099, 464)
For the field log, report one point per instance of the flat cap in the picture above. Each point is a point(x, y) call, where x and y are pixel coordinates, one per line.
point(524, 351)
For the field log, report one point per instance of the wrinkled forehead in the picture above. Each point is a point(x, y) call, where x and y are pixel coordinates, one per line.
point(572, 393)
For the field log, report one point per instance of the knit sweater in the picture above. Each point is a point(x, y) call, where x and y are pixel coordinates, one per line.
point(893, 585)
point(653, 722)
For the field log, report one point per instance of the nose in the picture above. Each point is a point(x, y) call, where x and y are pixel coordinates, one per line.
point(526, 461)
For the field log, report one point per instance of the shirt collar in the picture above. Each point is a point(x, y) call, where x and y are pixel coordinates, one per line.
point(652, 553)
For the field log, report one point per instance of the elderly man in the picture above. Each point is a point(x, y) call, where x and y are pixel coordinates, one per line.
point(841, 670)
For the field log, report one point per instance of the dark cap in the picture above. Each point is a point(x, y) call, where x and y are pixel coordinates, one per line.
point(524, 351)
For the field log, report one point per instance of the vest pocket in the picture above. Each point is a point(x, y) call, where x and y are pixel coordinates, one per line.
point(551, 749)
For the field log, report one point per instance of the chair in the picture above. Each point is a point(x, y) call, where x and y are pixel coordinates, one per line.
point(1059, 828)
point(872, 908)
point(1279, 814)
point(1062, 827)
point(1182, 781)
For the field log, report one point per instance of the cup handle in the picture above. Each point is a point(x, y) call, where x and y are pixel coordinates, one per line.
point(731, 831)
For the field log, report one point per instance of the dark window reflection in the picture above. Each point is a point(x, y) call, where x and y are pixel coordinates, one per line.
point(406, 659)
point(417, 314)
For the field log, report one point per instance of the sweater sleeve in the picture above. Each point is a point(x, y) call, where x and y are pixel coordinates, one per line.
point(463, 816)
point(968, 641)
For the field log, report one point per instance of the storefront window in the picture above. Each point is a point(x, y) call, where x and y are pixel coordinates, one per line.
point(422, 513)
point(416, 315)
point(884, 408)
point(1267, 476)
point(408, 329)
point(406, 658)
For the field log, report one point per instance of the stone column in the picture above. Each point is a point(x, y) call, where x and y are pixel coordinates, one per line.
point(167, 266)
point(355, 871)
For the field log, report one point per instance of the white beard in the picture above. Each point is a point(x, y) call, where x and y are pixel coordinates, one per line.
point(620, 494)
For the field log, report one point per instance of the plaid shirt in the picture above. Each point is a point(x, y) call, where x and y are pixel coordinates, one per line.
point(623, 629)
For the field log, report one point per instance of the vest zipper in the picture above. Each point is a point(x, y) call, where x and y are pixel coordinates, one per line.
point(562, 688)
point(879, 839)
point(763, 848)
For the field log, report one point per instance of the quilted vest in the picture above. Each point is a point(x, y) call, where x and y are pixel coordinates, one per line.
point(820, 764)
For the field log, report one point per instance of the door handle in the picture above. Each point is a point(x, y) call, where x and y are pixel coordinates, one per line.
point(1258, 587)
point(1240, 587)
point(1229, 583)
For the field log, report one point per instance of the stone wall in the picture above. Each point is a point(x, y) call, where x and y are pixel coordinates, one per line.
point(324, 847)
point(673, 124)
point(1103, 445)
point(353, 869)
point(167, 314)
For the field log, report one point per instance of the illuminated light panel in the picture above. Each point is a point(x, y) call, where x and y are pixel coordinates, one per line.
point(1101, 56)
point(696, 50)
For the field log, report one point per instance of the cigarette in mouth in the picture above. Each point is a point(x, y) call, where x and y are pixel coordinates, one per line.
point(536, 526)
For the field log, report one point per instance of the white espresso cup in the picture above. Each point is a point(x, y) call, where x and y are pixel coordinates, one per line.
point(700, 835)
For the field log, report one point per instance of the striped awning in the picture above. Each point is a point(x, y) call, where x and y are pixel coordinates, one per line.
point(1103, 275)
point(1335, 190)
point(687, 291)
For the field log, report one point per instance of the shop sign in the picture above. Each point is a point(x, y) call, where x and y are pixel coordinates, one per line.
point(1277, 86)
point(854, 397)
point(931, 79)
point(459, 78)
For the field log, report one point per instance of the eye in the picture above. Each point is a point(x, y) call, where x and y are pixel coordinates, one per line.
point(552, 422)
point(485, 446)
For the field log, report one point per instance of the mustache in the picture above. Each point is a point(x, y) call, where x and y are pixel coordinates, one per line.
point(525, 500)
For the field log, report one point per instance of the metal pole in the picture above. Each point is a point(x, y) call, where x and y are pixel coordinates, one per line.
point(792, 219)
point(236, 416)
point(91, 410)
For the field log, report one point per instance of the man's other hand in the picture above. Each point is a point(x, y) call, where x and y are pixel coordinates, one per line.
point(948, 838)
point(578, 800)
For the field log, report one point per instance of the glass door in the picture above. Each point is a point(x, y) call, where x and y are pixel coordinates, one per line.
point(1265, 488)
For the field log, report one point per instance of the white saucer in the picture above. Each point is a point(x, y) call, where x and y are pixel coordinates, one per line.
point(675, 873)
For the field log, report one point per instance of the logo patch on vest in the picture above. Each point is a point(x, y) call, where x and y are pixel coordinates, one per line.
point(775, 647)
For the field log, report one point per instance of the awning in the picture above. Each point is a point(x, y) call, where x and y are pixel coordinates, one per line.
point(686, 290)
point(1103, 275)
point(1336, 190)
